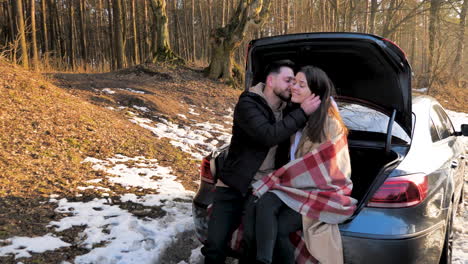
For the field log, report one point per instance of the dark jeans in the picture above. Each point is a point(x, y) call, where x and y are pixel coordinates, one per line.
point(226, 216)
point(267, 225)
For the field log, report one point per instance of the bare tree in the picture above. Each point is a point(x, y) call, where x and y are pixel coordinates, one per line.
point(226, 39)
point(45, 39)
point(71, 35)
point(81, 22)
point(118, 33)
point(135, 33)
point(163, 51)
point(458, 67)
point(18, 7)
point(34, 37)
point(433, 28)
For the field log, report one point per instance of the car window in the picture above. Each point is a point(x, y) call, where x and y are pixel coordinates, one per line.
point(445, 119)
point(434, 135)
point(361, 118)
point(441, 127)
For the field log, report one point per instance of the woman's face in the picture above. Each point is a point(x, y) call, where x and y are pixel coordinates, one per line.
point(300, 90)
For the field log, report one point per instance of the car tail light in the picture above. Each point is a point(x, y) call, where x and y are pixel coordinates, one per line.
point(205, 171)
point(399, 192)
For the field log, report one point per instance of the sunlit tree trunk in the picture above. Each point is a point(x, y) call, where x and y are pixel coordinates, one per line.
point(226, 39)
point(135, 33)
point(458, 68)
point(118, 33)
point(34, 36)
point(163, 51)
point(18, 7)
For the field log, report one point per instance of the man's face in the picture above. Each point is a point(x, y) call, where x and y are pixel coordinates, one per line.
point(282, 83)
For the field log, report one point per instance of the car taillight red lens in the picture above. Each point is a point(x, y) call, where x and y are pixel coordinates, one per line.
point(205, 171)
point(398, 192)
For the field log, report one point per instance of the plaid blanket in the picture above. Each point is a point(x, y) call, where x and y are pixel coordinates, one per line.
point(317, 185)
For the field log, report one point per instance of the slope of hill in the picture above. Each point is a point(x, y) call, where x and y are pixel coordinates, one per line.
point(52, 124)
point(46, 131)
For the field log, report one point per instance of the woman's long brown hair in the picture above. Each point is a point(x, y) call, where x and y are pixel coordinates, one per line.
point(320, 85)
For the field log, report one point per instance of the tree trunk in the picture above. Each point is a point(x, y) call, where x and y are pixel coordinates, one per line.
point(366, 17)
point(458, 68)
point(226, 39)
point(203, 34)
point(18, 6)
point(81, 18)
point(112, 49)
point(372, 16)
point(135, 34)
point(433, 29)
point(45, 44)
point(163, 52)
point(34, 37)
point(287, 17)
point(71, 46)
point(147, 41)
point(192, 16)
point(118, 33)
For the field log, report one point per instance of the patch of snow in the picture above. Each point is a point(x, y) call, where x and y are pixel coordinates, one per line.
point(183, 116)
point(126, 238)
point(196, 255)
point(108, 91)
point(134, 91)
point(192, 111)
point(95, 180)
point(141, 108)
point(458, 119)
point(420, 90)
point(191, 140)
point(22, 246)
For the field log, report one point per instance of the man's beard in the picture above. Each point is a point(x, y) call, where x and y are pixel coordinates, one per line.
point(285, 98)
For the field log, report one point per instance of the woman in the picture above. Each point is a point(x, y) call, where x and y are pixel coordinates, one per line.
point(313, 188)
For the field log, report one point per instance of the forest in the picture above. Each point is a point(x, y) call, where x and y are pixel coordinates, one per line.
point(105, 35)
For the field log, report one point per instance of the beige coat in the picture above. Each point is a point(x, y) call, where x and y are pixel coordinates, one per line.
point(322, 240)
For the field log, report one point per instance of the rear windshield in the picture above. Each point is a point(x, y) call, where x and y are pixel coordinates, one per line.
point(364, 119)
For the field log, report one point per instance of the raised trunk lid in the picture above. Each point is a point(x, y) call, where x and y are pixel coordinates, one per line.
point(362, 67)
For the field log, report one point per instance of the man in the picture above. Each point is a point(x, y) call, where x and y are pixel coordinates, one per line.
point(258, 127)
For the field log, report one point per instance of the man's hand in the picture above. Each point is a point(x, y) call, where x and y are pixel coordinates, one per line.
point(310, 104)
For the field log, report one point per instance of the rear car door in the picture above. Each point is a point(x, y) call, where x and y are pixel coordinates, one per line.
point(448, 143)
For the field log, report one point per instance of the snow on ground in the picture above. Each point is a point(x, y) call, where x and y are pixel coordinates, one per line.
point(198, 140)
point(420, 90)
point(126, 238)
point(23, 246)
point(115, 235)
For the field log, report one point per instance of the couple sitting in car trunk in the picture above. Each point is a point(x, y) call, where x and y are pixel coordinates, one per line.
point(287, 169)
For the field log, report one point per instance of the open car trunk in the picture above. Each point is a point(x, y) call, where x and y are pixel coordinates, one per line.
point(367, 71)
point(370, 166)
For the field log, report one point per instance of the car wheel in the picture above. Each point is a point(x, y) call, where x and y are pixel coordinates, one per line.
point(446, 257)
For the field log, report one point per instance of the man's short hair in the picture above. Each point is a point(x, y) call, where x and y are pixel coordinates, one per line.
point(275, 66)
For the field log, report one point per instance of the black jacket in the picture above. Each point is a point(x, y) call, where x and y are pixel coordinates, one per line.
point(254, 132)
